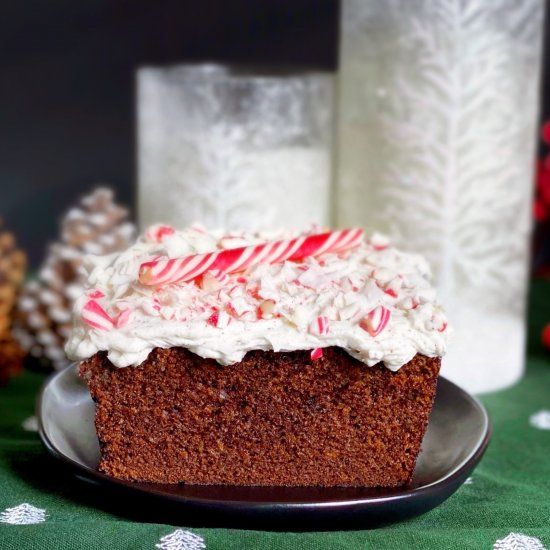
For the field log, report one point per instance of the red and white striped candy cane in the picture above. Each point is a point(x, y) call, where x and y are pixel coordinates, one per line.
point(95, 316)
point(376, 321)
point(319, 325)
point(156, 233)
point(160, 272)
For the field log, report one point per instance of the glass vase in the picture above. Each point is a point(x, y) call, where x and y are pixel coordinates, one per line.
point(438, 104)
point(234, 151)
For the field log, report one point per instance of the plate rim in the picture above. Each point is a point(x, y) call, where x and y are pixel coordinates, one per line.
point(91, 475)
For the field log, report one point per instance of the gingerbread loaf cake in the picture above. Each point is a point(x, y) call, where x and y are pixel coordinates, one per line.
point(244, 360)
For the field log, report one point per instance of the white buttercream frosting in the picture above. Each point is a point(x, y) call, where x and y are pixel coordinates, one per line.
point(318, 302)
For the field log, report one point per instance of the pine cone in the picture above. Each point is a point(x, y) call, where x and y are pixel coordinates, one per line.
point(95, 226)
point(12, 271)
point(12, 356)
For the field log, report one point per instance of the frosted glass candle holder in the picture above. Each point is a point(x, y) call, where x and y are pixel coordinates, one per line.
point(233, 151)
point(438, 105)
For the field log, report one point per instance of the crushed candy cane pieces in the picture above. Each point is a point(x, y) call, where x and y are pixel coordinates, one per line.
point(96, 317)
point(376, 320)
point(319, 326)
point(317, 353)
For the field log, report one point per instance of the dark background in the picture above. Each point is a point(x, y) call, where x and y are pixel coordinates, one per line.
point(67, 85)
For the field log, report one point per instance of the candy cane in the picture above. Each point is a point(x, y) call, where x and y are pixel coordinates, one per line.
point(316, 353)
point(159, 272)
point(376, 320)
point(156, 233)
point(95, 316)
point(213, 280)
point(319, 326)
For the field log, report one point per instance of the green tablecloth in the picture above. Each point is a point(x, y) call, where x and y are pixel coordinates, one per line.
point(508, 493)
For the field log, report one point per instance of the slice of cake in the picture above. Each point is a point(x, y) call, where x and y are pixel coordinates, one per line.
point(260, 360)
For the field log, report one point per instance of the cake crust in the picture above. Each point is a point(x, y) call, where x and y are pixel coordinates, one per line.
point(271, 419)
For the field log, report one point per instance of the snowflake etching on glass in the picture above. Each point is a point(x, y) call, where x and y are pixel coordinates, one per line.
point(437, 114)
point(233, 152)
point(454, 192)
point(24, 514)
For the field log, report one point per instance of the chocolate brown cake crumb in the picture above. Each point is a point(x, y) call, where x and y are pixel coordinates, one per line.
point(272, 419)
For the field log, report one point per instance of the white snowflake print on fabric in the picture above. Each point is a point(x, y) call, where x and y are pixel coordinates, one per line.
point(518, 541)
point(540, 420)
point(30, 424)
point(181, 540)
point(24, 514)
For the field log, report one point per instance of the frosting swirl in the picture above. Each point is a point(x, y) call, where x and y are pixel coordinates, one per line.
point(375, 302)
